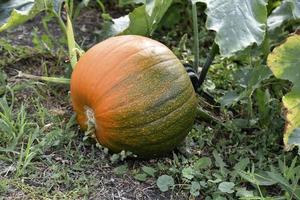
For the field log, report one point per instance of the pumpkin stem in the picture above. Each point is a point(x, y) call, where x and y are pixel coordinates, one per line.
point(59, 80)
point(196, 36)
point(91, 124)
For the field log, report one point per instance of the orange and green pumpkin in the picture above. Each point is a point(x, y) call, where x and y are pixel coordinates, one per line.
point(136, 92)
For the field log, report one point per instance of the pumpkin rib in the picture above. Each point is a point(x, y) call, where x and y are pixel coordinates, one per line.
point(108, 90)
point(161, 117)
point(184, 89)
point(150, 148)
point(150, 108)
point(164, 139)
point(114, 49)
point(134, 102)
point(113, 69)
point(125, 79)
point(136, 123)
point(118, 83)
point(87, 69)
point(157, 140)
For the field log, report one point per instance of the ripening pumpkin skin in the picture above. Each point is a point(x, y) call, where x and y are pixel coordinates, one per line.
point(138, 94)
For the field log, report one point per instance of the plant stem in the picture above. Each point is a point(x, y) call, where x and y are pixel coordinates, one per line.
point(196, 36)
point(60, 21)
point(213, 52)
point(64, 28)
point(204, 115)
point(71, 43)
point(44, 78)
point(101, 5)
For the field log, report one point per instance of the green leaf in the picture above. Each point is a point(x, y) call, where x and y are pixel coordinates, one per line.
point(242, 164)
point(285, 64)
point(165, 182)
point(141, 177)
point(226, 187)
point(283, 183)
point(6, 7)
point(230, 98)
point(219, 162)
point(202, 163)
point(14, 12)
point(149, 170)
point(188, 173)
point(262, 101)
point(249, 78)
point(195, 188)
point(257, 76)
point(295, 137)
point(288, 10)
point(143, 20)
point(243, 192)
point(261, 178)
point(139, 22)
point(120, 170)
point(238, 23)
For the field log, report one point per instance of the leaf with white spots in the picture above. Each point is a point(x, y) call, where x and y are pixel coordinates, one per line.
point(284, 62)
point(238, 23)
point(16, 12)
point(288, 10)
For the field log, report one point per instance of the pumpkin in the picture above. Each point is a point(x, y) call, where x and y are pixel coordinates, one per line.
point(137, 94)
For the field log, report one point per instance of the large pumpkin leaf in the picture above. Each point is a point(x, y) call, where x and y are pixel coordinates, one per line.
point(143, 20)
point(288, 10)
point(238, 23)
point(16, 12)
point(285, 63)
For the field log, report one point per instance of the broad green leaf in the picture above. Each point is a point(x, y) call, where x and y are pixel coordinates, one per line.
point(120, 170)
point(226, 187)
point(238, 23)
point(242, 164)
point(188, 173)
point(6, 7)
point(230, 98)
point(165, 182)
point(288, 10)
point(143, 20)
point(139, 22)
point(283, 183)
point(141, 177)
point(295, 137)
point(243, 192)
point(16, 12)
point(202, 163)
point(219, 162)
point(195, 187)
point(261, 178)
point(285, 64)
point(249, 78)
point(149, 170)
